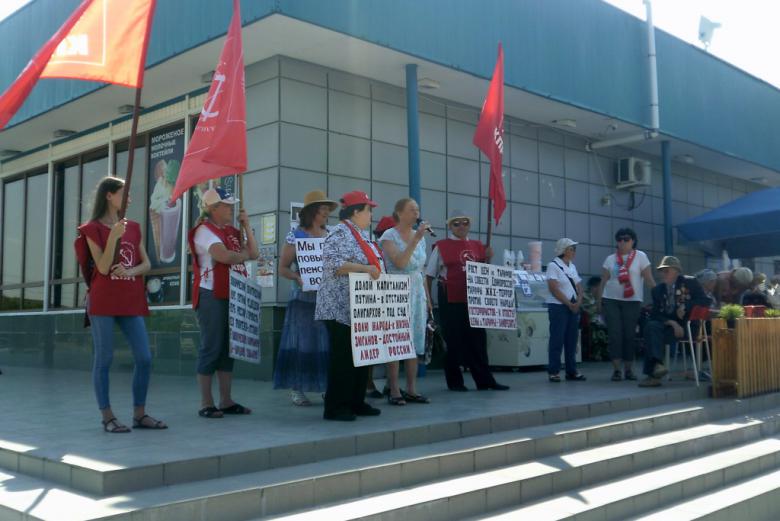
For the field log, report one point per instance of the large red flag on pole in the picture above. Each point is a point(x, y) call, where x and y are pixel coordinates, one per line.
point(218, 145)
point(489, 136)
point(103, 40)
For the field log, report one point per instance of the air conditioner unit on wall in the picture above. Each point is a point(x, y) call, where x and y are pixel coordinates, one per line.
point(633, 173)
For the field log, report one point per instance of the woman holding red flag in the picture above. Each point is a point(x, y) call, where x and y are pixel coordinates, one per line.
point(621, 295)
point(117, 295)
point(347, 249)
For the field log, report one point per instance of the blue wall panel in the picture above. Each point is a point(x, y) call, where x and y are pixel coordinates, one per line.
point(583, 52)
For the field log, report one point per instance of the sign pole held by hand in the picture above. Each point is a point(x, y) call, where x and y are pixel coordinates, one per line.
point(131, 152)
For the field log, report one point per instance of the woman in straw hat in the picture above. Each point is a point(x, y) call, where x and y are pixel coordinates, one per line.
point(302, 363)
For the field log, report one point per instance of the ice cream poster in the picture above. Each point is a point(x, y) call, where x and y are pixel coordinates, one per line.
point(196, 196)
point(166, 149)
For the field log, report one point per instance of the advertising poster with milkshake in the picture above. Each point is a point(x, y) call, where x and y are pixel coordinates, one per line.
point(165, 154)
point(164, 225)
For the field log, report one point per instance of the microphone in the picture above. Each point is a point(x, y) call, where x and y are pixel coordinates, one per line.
point(427, 227)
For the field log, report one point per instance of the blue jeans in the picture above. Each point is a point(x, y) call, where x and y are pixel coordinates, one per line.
point(103, 339)
point(564, 327)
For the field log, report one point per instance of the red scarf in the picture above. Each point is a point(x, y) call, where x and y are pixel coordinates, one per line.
point(368, 251)
point(623, 276)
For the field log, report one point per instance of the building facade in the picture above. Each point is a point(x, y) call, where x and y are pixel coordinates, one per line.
point(326, 109)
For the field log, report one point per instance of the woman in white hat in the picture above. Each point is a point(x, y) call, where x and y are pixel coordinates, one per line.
point(302, 362)
point(563, 306)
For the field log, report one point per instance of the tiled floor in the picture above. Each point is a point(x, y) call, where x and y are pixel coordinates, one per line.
point(52, 414)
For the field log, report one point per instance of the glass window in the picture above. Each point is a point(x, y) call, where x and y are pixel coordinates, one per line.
point(35, 229)
point(135, 211)
point(10, 300)
point(13, 208)
point(94, 168)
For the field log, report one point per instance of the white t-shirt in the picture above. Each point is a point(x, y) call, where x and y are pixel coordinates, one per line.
point(613, 289)
point(204, 238)
point(558, 270)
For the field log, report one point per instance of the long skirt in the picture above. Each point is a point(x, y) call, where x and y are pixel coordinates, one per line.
point(302, 361)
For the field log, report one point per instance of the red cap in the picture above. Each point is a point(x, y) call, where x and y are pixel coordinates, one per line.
point(357, 197)
point(385, 223)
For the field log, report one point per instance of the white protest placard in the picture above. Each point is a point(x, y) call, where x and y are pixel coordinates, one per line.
point(309, 259)
point(244, 318)
point(381, 328)
point(490, 296)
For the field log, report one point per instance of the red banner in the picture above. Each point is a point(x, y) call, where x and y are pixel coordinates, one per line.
point(218, 145)
point(103, 40)
point(489, 136)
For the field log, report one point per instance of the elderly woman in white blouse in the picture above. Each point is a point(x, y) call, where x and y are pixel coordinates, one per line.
point(563, 307)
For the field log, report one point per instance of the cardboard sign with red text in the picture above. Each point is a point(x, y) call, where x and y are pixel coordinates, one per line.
point(380, 312)
point(490, 294)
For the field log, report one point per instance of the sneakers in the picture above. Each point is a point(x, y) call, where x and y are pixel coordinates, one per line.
point(660, 371)
point(650, 382)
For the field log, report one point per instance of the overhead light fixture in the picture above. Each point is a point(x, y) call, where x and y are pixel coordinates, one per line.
point(206, 78)
point(685, 158)
point(569, 123)
point(62, 132)
point(128, 109)
point(7, 152)
point(428, 83)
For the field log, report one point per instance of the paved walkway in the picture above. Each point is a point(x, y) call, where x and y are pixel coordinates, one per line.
point(52, 414)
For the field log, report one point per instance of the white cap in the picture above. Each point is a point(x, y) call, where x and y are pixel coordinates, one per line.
point(213, 196)
point(562, 244)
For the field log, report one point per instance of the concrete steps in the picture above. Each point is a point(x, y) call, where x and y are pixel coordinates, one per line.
point(488, 466)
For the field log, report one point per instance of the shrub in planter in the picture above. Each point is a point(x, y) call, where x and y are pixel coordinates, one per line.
point(730, 313)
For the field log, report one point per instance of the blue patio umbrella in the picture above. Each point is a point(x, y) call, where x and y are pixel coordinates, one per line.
point(745, 227)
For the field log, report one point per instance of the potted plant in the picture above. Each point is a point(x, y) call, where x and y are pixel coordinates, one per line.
point(772, 313)
point(730, 313)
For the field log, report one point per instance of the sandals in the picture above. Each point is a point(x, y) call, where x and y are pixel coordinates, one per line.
point(414, 398)
point(138, 423)
point(118, 428)
point(210, 412)
point(554, 378)
point(300, 399)
point(236, 408)
point(396, 400)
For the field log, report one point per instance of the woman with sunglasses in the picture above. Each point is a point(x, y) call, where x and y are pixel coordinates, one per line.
point(623, 276)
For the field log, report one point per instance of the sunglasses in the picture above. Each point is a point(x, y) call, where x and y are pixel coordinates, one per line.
point(458, 224)
point(624, 239)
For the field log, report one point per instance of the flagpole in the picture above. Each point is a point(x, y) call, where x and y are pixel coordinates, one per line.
point(131, 151)
point(490, 222)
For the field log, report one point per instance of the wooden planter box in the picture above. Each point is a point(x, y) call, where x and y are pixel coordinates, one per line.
point(746, 359)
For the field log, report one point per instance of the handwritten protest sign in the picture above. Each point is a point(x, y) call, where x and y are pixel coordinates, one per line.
point(491, 296)
point(309, 259)
point(381, 329)
point(244, 318)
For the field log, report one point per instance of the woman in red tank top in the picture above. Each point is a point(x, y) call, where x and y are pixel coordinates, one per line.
point(116, 295)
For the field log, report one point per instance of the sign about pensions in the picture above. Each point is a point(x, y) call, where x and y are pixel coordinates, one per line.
point(309, 259)
point(244, 318)
point(491, 296)
point(381, 329)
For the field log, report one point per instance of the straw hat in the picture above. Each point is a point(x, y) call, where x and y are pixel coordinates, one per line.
point(318, 197)
point(670, 262)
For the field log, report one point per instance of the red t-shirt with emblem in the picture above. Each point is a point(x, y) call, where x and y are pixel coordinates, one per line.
point(110, 295)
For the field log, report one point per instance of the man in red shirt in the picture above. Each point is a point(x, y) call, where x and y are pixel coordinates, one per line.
point(466, 346)
point(217, 248)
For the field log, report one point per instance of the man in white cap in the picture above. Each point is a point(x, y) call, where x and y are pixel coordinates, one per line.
point(217, 249)
point(466, 346)
point(673, 300)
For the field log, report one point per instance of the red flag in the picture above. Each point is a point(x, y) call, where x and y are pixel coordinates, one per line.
point(489, 136)
point(218, 145)
point(103, 40)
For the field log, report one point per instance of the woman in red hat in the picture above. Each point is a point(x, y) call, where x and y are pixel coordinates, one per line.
point(348, 249)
